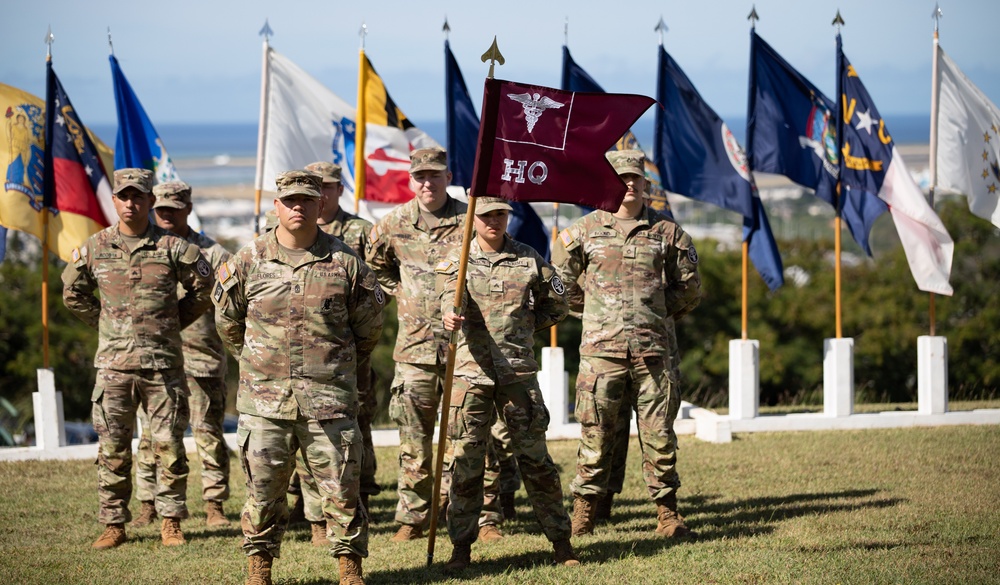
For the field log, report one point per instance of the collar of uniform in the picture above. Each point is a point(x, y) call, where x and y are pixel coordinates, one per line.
point(146, 239)
point(508, 249)
point(340, 217)
point(645, 216)
point(450, 215)
point(318, 251)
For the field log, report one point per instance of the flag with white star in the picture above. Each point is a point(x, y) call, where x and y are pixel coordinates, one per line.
point(968, 141)
point(870, 163)
point(76, 187)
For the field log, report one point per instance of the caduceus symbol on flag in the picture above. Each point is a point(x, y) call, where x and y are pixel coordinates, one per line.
point(534, 106)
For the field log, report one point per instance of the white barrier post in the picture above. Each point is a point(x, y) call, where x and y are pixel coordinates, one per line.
point(932, 374)
point(554, 383)
point(838, 376)
point(50, 432)
point(744, 378)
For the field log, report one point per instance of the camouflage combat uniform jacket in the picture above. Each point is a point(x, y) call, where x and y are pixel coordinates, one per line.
point(627, 285)
point(204, 356)
point(350, 229)
point(139, 315)
point(403, 252)
point(509, 295)
point(304, 334)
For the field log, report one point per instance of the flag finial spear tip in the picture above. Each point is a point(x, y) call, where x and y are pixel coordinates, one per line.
point(363, 32)
point(753, 17)
point(111, 45)
point(446, 29)
point(661, 27)
point(838, 21)
point(266, 32)
point(493, 56)
point(49, 39)
point(936, 15)
point(566, 32)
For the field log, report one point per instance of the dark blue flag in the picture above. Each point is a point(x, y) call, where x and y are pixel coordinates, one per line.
point(524, 225)
point(791, 131)
point(137, 144)
point(699, 157)
point(3, 242)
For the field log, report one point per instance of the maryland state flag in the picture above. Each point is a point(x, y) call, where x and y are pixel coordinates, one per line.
point(542, 144)
point(389, 137)
point(73, 204)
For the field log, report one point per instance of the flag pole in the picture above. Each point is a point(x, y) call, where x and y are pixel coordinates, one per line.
point(265, 32)
point(493, 55)
point(49, 38)
point(553, 331)
point(360, 167)
point(838, 21)
point(935, 109)
point(745, 247)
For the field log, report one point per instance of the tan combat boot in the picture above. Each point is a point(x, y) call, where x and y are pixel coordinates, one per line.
point(147, 513)
point(563, 554)
point(170, 532)
point(113, 535)
point(408, 532)
point(602, 508)
point(490, 533)
point(583, 514)
point(507, 506)
point(214, 516)
point(259, 569)
point(461, 558)
point(319, 538)
point(350, 570)
point(669, 522)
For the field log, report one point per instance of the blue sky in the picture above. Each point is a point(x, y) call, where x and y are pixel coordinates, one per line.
point(199, 61)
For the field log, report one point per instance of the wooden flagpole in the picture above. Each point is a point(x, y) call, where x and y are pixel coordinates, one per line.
point(838, 21)
point(553, 331)
point(360, 166)
point(265, 32)
point(493, 55)
point(49, 38)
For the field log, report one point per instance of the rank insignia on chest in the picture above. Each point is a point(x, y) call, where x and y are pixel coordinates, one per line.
point(135, 273)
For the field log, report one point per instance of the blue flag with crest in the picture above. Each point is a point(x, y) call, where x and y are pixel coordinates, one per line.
point(791, 131)
point(137, 144)
point(699, 157)
point(524, 225)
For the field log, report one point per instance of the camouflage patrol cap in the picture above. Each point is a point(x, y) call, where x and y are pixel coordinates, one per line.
point(299, 182)
point(329, 171)
point(428, 159)
point(270, 220)
point(487, 204)
point(176, 194)
point(628, 161)
point(141, 179)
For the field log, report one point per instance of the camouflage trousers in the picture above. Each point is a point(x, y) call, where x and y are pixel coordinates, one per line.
point(116, 398)
point(522, 408)
point(416, 396)
point(207, 405)
point(646, 384)
point(333, 452)
point(508, 476)
point(304, 485)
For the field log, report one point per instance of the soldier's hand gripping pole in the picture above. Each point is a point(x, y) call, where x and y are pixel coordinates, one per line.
point(448, 376)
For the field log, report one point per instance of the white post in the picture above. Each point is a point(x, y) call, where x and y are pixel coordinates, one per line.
point(932, 374)
point(838, 376)
point(554, 383)
point(744, 378)
point(50, 432)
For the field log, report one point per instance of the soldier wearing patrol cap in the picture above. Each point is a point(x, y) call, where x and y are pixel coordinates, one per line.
point(138, 268)
point(303, 313)
point(629, 274)
point(305, 501)
point(510, 293)
point(403, 249)
point(205, 368)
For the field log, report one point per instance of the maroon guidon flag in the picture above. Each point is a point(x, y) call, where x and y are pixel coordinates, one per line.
point(542, 144)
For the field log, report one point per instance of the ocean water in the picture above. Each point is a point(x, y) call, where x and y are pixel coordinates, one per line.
point(222, 154)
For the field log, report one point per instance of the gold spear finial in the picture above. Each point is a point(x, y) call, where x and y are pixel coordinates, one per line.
point(493, 56)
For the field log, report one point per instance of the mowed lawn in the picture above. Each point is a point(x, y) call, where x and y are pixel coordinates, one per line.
point(880, 506)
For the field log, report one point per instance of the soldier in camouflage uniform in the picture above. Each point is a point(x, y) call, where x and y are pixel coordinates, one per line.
point(628, 273)
point(303, 313)
point(403, 249)
point(304, 498)
point(510, 293)
point(137, 268)
point(205, 367)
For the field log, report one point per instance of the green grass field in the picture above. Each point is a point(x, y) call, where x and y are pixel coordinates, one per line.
point(880, 506)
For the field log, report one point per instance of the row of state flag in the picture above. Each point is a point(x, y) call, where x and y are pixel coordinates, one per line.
point(792, 130)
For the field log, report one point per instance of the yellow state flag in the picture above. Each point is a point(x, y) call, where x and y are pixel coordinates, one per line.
point(22, 155)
